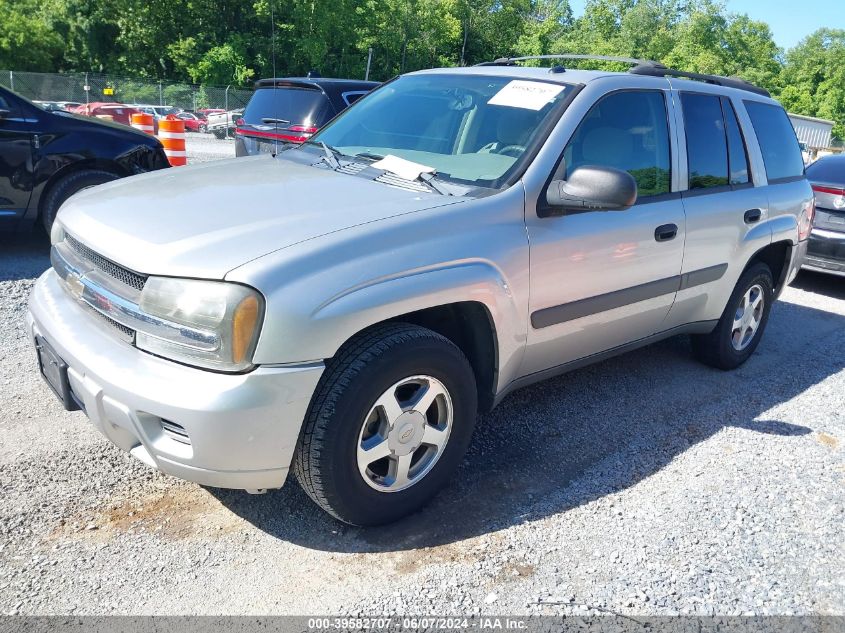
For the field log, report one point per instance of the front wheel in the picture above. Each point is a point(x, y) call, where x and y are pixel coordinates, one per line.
point(66, 187)
point(741, 326)
point(388, 425)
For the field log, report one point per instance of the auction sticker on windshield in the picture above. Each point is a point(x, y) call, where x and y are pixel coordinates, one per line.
point(531, 95)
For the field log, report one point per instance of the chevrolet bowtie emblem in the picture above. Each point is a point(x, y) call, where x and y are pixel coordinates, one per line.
point(75, 285)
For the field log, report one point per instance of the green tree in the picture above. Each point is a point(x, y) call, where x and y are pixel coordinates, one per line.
point(27, 41)
point(813, 78)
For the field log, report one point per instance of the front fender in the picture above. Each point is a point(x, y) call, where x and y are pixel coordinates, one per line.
point(321, 293)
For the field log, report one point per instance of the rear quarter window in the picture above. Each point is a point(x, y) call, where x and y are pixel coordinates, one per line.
point(778, 143)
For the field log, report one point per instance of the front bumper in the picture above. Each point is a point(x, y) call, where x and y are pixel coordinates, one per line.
point(826, 252)
point(241, 429)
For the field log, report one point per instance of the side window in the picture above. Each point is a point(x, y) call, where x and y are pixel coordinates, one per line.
point(707, 148)
point(778, 143)
point(7, 104)
point(628, 131)
point(352, 97)
point(737, 155)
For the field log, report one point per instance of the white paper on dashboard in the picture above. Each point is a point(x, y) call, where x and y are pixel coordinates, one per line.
point(531, 95)
point(406, 169)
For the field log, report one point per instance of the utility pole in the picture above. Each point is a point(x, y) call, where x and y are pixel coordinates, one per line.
point(12, 80)
point(369, 61)
point(160, 97)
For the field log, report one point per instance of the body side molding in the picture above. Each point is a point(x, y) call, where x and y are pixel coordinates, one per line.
point(619, 298)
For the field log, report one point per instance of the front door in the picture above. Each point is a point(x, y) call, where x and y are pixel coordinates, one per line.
point(599, 279)
point(15, 160)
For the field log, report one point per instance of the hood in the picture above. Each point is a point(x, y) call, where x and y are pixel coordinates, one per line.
point(205, 220)
point(94, 124)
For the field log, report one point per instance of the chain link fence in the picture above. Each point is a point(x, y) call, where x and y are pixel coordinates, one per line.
point(92, 87)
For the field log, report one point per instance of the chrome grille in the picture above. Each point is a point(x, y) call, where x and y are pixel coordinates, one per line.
point(127, 332)
point(123, 275)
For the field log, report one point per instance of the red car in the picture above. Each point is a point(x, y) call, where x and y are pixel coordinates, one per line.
point(204, 112)
point(193, 122)
point(119, 112)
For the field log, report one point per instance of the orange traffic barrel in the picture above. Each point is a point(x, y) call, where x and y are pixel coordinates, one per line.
point(144, 122)
point(171, 133)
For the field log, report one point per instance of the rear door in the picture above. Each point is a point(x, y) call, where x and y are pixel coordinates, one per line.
point(599, 279)
point(16, 137)
point(725, 201)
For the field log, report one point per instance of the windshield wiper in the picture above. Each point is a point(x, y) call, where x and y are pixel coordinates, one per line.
point(431, 180)
point(276, 121)
point(330, 154)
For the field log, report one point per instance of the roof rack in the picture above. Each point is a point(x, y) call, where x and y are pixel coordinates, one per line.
point(645, 67)
point(659, 70)
point(511, 61)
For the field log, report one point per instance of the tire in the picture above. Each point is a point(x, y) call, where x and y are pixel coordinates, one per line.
point(343, 416)
point(203, 129)
point(219, 134)
point(66, 187)
point(728, 346)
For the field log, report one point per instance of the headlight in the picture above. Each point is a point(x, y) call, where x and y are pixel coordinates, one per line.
point(57, 233)
point(221, 322)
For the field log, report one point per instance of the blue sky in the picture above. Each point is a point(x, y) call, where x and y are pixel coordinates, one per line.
point(790, 20)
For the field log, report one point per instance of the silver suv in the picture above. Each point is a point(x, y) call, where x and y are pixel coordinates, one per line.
point(345, 308)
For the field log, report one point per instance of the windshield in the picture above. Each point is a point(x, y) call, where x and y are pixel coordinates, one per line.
point(469, 128)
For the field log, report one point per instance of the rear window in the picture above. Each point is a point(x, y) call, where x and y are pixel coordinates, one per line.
point(300, 106)
point(829, 170)
point(778, 143)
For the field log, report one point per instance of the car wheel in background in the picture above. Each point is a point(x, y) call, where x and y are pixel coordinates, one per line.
point(66, 187)
point(388, 425)
point(742, 323)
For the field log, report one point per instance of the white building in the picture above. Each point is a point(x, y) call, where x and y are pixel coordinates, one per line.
point(814, 133)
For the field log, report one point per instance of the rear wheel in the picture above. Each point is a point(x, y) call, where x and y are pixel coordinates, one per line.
point(741, 326)
point(388, 425)
point(66, 187)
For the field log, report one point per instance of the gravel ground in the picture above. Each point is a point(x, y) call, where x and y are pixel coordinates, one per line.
point(202, 148)
point(647, 484)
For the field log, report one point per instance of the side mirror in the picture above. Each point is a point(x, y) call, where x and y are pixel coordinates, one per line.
point(592, 188)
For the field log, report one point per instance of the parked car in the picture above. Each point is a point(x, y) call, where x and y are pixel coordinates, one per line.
point(50, 106)
point(193, 123)
point(158, 111)
point(45, 157)
point(826, 248)
point(292, 109)
point(222, 124)
point(204, 112)
point(342, 309)
point(119, 112)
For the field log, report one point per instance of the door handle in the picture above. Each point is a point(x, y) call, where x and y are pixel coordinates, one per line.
point(752, 215)
point(665, 232)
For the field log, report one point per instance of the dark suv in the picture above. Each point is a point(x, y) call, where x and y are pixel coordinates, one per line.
point(292, 109)
point(45, 157)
